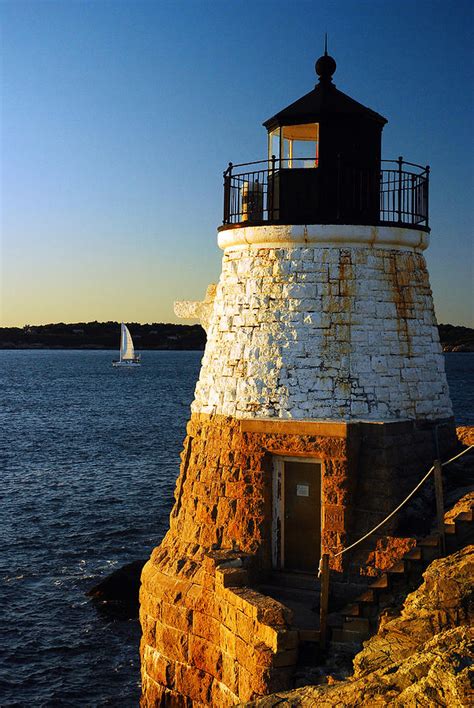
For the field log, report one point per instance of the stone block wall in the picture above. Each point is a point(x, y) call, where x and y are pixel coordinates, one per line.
point(224, 492)
point(320, 332)
point(392, 459)
point(208, 637)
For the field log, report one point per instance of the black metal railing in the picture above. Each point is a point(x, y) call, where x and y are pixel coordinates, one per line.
point(289, 191)
point(404, 193)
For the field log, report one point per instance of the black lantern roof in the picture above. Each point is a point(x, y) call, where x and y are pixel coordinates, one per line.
point(324, 101)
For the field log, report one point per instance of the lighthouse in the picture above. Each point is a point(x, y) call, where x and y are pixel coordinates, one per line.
point(321, 399)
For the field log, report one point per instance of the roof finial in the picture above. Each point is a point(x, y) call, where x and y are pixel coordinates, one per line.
point(325, 66)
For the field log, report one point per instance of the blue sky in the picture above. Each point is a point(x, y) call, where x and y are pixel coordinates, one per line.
point(119, 117)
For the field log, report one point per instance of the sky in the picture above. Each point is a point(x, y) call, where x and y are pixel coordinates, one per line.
point(118, 118)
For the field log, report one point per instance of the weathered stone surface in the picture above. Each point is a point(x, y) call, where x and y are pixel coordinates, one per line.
point(444, 600)
point(314, 332)
point(198, 612)
point(197, 609)
point(438, 675)
point(424, 657)
point(465, 504)
point(388, 550)
point(466, 434)
point(190, 310)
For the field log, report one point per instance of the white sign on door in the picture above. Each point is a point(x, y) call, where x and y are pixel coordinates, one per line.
point(302, 490)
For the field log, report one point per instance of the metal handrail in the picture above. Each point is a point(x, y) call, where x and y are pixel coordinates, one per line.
point(401, 188)
point(232, 166)
point(425, 168)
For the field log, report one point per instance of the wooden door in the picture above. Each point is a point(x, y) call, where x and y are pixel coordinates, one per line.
point(302, 515)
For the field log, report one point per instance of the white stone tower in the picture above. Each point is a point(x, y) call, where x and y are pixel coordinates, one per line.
point(322, 392)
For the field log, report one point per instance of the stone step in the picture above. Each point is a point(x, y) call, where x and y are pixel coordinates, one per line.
point(429, 541)
point(308, 635)
point(464, 516)
point(397, 569)
point(352, 610)
point(301, 581)
point(381, 583)
point(464, 533)
point(430, 547)
point(452, 543)
point(367, 597)
point(283, 592)
point(351, 648)
point(415, 554)
point(463, 526)
point(303, 604)
point(357, 624)
point(345, 636)
point(358, 616)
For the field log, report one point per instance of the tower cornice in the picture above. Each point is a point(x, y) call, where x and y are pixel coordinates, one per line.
point(331, 235)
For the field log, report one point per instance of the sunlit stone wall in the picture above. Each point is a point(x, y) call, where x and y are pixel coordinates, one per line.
point(323, 324)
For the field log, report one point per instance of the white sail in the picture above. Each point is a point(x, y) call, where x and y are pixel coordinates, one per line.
point(126, 344)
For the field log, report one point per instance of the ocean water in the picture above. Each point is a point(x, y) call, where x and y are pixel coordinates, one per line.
point(89, 457)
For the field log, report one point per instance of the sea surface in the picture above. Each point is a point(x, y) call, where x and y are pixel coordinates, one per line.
point(89, 457)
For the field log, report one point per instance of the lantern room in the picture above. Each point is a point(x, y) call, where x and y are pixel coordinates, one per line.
point(327, 126)
point(295, 145)
point(324, 167)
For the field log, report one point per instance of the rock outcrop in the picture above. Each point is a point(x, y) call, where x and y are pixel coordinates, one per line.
point(424, 657)
point(465, 434)
point(117, 595)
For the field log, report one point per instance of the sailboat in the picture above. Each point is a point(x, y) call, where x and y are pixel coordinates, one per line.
point(128, 358)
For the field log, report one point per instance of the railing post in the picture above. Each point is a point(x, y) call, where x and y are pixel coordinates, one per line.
point(227, 192)
point(324, 600)
point(400, 162)
point(427, 194)
point(271, 216)
point(438, 482)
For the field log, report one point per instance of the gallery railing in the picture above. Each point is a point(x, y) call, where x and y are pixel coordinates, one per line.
point(298, 190)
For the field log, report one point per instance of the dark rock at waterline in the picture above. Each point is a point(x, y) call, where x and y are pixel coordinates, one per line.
point(117, 595)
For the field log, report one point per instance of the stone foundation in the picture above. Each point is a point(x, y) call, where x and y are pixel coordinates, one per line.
point(208, 638)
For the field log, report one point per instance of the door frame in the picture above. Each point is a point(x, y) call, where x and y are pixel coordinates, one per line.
point(278, 504)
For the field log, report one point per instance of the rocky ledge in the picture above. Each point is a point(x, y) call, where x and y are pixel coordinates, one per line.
point(455, 338)
point(423, 657)
point(116, 596)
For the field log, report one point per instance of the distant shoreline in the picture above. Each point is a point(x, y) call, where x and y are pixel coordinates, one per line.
point(103, 336)
point(41, 348)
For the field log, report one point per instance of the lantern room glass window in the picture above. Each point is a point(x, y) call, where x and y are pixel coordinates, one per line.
point(295, 146)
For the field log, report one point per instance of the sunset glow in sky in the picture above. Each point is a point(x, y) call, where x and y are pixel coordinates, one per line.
point(118, 118)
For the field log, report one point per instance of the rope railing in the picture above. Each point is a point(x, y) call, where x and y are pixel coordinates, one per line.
point(323, 567)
